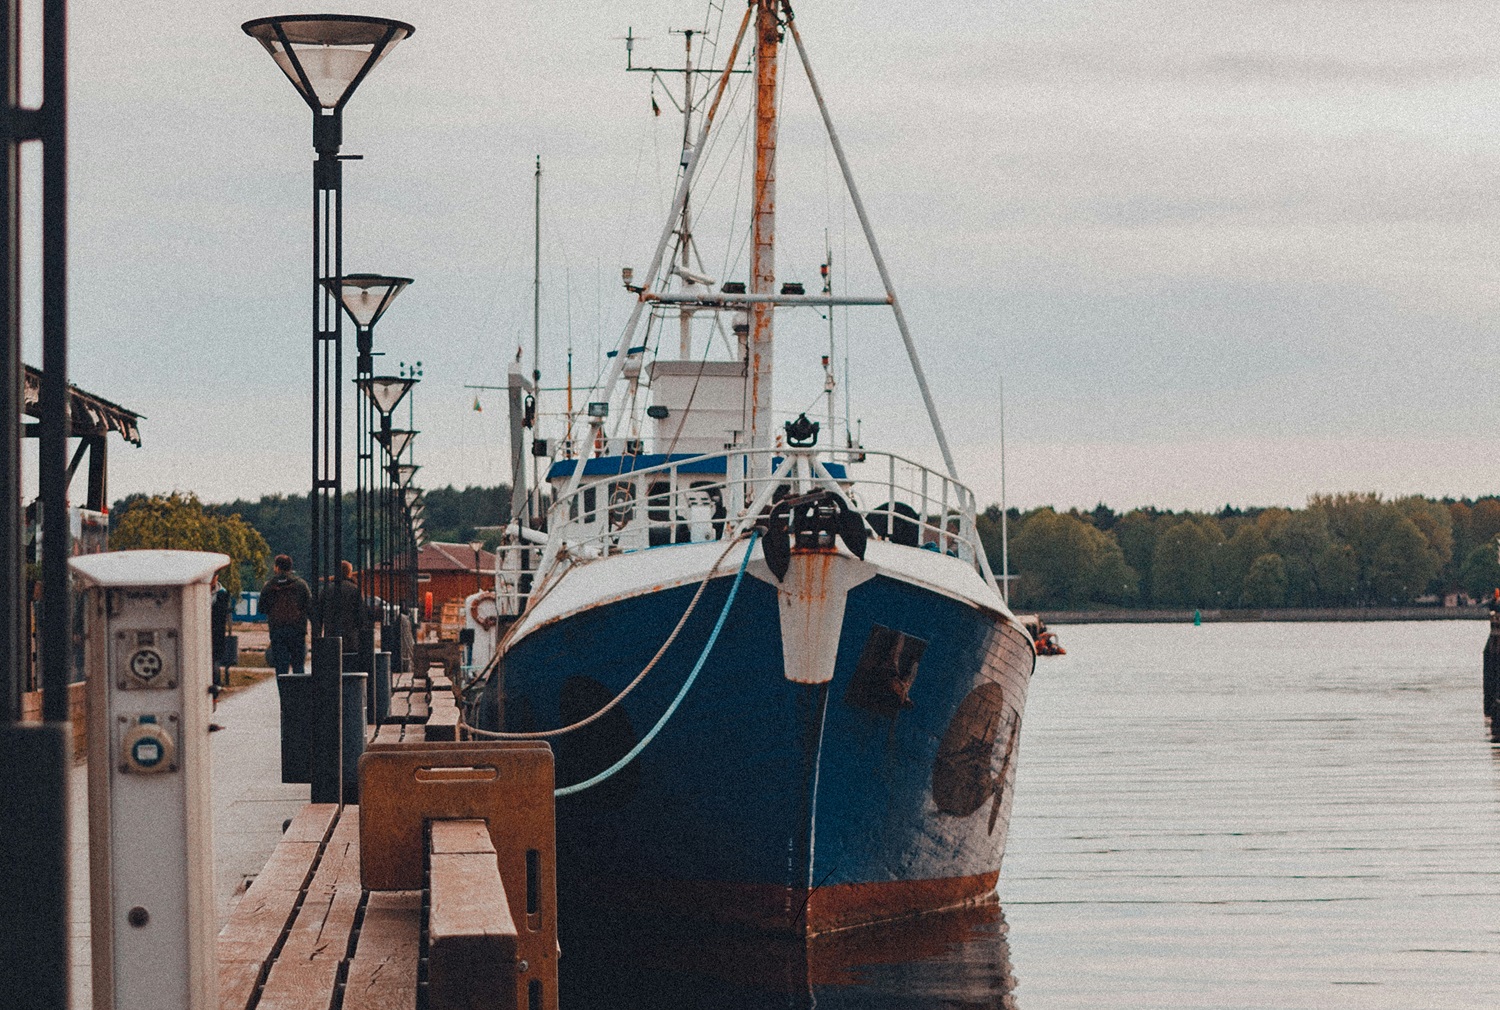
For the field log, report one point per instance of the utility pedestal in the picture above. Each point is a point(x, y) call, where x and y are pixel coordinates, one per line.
point(150, 672)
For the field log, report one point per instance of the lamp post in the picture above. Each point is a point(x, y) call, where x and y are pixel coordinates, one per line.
point(415, 537)
point(384, 393)
point(477, 545)
point(365, 297)
point(327, 57)
point(36, 760)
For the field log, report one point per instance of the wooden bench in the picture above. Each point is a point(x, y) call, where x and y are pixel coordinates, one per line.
point(472, 948)
point(473, 824)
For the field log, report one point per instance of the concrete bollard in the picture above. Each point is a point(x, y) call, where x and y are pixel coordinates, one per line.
point(380, 688)
point(354, 731)
point(326, 715)
point(295, 692)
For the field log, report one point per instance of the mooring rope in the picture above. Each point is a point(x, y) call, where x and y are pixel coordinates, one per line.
point(547, 734)
point(635, 751)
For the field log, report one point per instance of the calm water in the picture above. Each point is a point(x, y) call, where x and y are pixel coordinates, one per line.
point(1234, 816)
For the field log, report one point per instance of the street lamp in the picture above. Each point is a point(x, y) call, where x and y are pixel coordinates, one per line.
point(477, 545)
point(327, 57)
point(384, 392)
point(365, 297)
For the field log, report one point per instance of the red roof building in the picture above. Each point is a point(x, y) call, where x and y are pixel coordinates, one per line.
point(448, 572)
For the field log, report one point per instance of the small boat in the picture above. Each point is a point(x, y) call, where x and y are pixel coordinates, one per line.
point(1045, 641)
point(782, 686)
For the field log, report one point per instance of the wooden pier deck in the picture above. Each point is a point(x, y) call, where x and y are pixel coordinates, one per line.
point(437, 893)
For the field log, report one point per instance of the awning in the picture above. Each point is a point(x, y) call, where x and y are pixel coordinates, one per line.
point(92, 415)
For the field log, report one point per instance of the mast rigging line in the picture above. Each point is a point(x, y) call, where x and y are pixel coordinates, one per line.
point(684, 184)
point(547, 734)
point(864, 223)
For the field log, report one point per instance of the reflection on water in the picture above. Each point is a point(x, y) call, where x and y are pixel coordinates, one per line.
point(952, 959)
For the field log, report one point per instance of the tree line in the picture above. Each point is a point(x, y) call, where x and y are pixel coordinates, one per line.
point(1340, 550)
point(451, 516)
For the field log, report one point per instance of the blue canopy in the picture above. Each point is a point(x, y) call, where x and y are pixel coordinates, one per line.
point(614, 466)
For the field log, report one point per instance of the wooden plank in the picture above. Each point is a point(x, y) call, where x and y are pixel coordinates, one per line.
point(312, 823)
point(264, 913)
point(410, 706)
point(237, 982)
point(472, 942)
point(299, 985)
point(442, 718)
point(383, 972)
point(307, 966)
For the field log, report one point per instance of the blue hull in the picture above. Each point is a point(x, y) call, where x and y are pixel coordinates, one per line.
point(796, 807)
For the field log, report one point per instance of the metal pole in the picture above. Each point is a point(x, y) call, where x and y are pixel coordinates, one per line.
point(536, 343)
point(1004, 519)
point(13, 625)
point(326, 707)
point(34, 760)
point(885, 274)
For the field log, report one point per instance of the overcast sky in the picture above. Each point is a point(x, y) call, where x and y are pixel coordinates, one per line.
point(1231, 252)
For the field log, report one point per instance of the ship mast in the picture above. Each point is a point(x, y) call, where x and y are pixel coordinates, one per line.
point(763, 227)
point(685, 314)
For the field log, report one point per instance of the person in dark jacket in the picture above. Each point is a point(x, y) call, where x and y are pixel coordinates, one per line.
point(341, 611)
point(286, 602)
point(218, 631)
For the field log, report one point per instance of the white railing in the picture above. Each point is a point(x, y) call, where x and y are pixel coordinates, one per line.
point(677, 502)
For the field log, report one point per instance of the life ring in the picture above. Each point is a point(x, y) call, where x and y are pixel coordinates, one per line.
point(484, 621)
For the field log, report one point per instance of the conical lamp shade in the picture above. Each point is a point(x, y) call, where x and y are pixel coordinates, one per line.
point(326, 56)
point(413, 495)
point(366, 296)
point(395, 441)
point(385, 391)
point(405, 472)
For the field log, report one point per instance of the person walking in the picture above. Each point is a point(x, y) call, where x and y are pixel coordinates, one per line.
point(341, 611)
point(218, 631)
point(286, 602)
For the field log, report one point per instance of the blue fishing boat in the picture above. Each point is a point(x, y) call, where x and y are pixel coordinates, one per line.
point(783, 687)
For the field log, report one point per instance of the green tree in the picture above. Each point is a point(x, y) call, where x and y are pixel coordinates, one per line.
point(1232, 560)
point(1436, 524)
point(1403, 564)
point(1480, 574)
point(1066, 562)
point(1335, 576)
point(1182, 566)
point(1136, 532)
point(182, 523)
point(1265, 582)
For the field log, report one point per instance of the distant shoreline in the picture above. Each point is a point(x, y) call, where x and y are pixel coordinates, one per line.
point(1277, 614)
